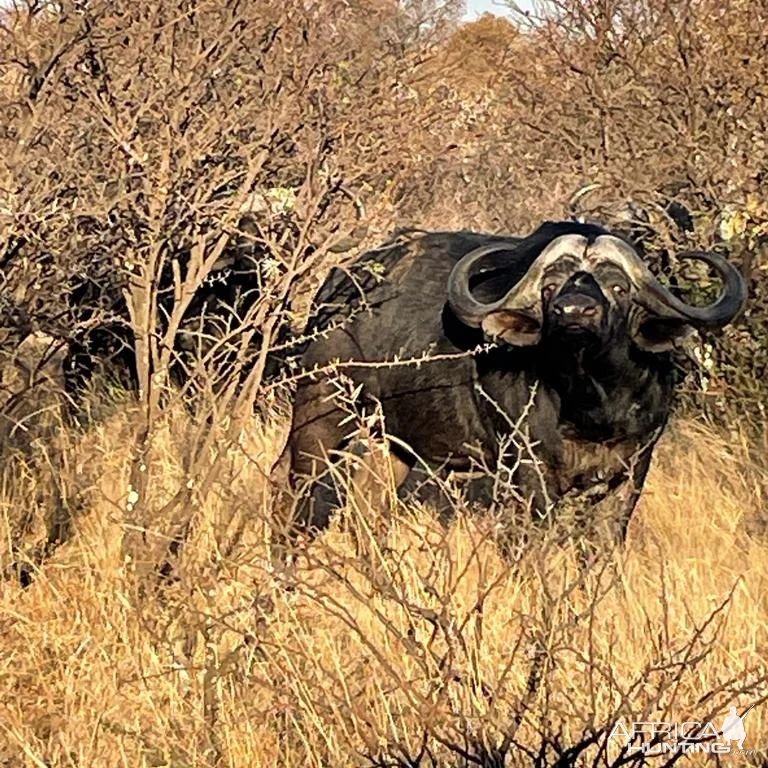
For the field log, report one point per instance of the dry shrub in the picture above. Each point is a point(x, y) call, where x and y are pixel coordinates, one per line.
point(176, 179)
point(441, 650)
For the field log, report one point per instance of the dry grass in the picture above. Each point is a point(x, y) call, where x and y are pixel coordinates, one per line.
point(441, 647)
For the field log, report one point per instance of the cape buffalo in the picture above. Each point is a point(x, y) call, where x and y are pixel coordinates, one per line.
point(583, 354)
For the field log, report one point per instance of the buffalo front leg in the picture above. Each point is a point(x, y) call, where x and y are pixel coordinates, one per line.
point(605, 517)
point(327, 472)
point(377, 474)
point(302, 478)
point(614, 510)
point(630, 494)
point(526, 495)
point(360, 481)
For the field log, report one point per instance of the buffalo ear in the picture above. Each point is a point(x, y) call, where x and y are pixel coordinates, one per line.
point(512, 326)
point(661, 334)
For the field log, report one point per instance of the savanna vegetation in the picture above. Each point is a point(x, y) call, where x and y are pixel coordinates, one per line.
point(181, 175)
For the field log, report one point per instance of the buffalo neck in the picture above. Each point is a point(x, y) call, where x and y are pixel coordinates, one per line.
point(613, 393)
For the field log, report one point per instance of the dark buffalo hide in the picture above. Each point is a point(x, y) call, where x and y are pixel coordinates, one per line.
point(570, 393)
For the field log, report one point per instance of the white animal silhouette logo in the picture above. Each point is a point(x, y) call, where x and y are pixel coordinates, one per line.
point(733, 728)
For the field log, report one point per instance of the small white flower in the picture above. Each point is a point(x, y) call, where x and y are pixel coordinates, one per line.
point(270, 267)
point(133, 498)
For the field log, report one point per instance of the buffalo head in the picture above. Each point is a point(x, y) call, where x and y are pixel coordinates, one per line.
point(583, 288)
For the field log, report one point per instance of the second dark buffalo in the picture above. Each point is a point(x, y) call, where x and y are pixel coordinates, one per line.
point(580, 372)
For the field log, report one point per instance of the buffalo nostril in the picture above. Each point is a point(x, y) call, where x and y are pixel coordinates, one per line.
point(575, 309)
point(569, 309)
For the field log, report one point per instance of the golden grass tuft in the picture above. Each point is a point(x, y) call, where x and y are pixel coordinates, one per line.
point(441, 647)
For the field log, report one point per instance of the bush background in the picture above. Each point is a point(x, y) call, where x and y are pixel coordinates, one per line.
point(144, 148)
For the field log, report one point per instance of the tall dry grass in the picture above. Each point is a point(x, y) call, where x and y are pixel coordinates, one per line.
point(433, 657)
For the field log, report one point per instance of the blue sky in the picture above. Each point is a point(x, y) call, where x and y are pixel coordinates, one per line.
point(475, 8)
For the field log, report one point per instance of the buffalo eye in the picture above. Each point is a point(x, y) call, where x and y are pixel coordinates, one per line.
point(619, 290)
point(549, 289)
